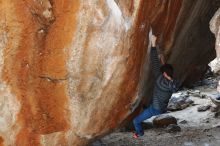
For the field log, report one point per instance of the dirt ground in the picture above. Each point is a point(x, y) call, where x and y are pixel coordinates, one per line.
point(197, 128)
point(191, 136)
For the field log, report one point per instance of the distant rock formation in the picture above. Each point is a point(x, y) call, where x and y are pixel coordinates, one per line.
point(215, 28)
point(74, 70)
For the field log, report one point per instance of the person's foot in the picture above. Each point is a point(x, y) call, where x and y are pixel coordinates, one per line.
point(135, 135)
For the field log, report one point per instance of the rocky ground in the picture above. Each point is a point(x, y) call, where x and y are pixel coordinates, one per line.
point(197, 123)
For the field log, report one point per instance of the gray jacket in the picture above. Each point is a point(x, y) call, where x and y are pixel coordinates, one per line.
point(163, 87)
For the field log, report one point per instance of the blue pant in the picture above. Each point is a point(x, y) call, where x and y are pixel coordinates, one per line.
point(146, 114)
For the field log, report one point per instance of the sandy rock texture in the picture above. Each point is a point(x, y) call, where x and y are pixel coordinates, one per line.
point(74, 70)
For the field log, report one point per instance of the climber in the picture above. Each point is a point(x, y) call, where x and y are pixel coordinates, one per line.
point(163, 89)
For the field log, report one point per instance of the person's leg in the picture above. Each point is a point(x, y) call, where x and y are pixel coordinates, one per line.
point(146, 114)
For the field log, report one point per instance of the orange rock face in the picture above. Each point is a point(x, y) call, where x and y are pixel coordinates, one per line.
point(74, 70)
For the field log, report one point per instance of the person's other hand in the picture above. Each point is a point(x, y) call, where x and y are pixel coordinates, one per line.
point(153, 40)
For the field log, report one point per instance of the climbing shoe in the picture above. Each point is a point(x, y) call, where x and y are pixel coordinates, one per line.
point(135, 135)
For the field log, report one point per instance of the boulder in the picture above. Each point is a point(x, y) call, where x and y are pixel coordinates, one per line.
point(179, 102)
point(203, 108)
point(72, 71)
point(164, 120)
point(215, 28)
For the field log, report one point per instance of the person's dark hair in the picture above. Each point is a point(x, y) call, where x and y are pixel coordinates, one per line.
point(168, 69)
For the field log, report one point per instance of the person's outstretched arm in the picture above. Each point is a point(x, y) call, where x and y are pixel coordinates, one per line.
point(155, 62)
